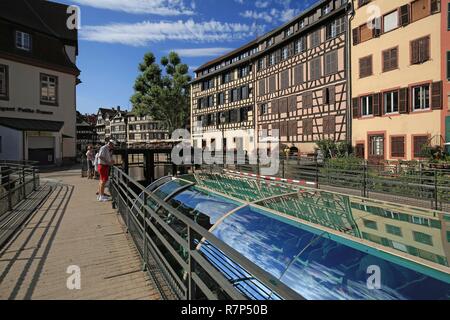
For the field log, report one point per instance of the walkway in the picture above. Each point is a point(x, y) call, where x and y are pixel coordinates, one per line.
point(72, 229)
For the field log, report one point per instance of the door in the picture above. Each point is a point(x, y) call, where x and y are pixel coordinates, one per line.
point(376, 149)
point(43, 156)
point(360, 152)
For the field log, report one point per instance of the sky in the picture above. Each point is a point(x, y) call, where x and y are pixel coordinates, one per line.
point(114, 35)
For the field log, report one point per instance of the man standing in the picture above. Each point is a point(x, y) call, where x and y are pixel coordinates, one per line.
point(104, 165)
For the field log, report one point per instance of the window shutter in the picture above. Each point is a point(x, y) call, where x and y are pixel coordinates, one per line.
point(386, 60)
point(415, 48)
point(283, 105)
point(435, 6)
point(376, 27)
point(377, 105)
point(298, 74)
point(355, 36)
point(404, 100)
point(325, 97)
point(436, 96)
point(425, 43)
point(275, 107)
point(293, 128)
point(355, 106)
point(292, 103)
point(404, 15)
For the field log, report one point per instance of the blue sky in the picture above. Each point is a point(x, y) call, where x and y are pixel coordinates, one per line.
point(115, 35)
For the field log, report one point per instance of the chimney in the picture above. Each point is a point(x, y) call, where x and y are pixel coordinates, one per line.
point(118, 108)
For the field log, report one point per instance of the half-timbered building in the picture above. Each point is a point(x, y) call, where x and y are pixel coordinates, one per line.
point(293, 79)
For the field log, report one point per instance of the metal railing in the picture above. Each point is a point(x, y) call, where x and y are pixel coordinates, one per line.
point(417, 185)
point(18, 181)
point(172, 249)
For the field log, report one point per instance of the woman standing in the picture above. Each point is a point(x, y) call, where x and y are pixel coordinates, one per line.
point(90, 155)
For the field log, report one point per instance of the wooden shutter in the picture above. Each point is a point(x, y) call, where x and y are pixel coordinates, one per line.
point(419, 143)
point(415, 52)
point(307, 100)
point(272, 82)
point(398, 147)
point(283, 103)
point(275, 107)
point(329, 125)
point(292, 103)
point(298, 74)
point(308, 126)
point(377, 104)
point(331, 94)
point(293, 128)
point(356, 39)
point(283, 129)
point(404, 15)
point(355, 107)
point(425, 49)
point(404, 100)
point(436, 96)
point(285, 79)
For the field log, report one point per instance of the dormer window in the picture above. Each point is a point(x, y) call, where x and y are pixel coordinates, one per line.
point(23, 41)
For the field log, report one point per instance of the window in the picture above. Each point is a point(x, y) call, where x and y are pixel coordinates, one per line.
point(376, 146)
point(244, 92)
point(221, 98)
point(367, 106)
point(331, 63)
point(419, 142)
point(390, 21)
point(448, 65)
point(264, 109)
point(396, 231)
point(420, 9)
point(421, 97)
point(260, 64)
point(272, 83)
point(285, 53)
point(390, 59)
point(3, 81)
point(49, 89)
point(398, 147)
point(308, 127)
point(370, 224)
point(307, 100)
point(390, 100)
point(315, 38)
point(420, 50)
point(315, 69)
point(329, 125)
point(271, 59)
point(365, 67)
point(288, 32)
point(23, 41)
point(262, 87)
point(423, 238)
point(300, 45)
point(448, 16)
point(362, 2)
point(335, 28)
point(269, 42)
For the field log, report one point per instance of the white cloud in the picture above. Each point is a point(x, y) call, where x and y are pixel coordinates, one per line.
point(202, 52)
point(266, 16)
point(143, 33)
point(261, 4)
point(157, 7)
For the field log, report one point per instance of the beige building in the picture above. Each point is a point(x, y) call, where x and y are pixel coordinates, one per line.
point(397, 82)
point(38, 78)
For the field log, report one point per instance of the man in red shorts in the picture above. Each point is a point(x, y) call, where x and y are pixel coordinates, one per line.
point(104, 164)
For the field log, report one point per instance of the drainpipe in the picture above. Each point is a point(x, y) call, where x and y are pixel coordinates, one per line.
point(351, 14)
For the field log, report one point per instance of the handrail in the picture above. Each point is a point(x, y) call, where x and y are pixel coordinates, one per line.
point(146, 219)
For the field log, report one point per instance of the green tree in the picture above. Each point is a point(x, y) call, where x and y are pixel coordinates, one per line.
point(163, 91)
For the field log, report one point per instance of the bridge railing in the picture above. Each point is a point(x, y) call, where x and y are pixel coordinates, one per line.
point(18, 181)
point(172, 248)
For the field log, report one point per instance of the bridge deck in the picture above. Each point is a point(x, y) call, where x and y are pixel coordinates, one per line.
point(72, 229)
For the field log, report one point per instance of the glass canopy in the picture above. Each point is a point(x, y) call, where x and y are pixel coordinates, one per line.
point(322, 245)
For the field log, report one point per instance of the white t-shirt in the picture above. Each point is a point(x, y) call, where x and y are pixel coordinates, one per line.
point(104, 153)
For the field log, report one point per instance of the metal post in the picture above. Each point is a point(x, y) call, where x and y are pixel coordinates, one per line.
point(364, 180)
point(284, 169)
point(191, 266)
point(34, 180)
point(144, 233)
point(24, 184)
point(317, 173)
point(9, 194)
point(436, 206)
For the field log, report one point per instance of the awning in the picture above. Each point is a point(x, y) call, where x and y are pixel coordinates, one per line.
point(31, 125)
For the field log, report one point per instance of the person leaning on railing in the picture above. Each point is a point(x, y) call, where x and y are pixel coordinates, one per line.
point(104, 165)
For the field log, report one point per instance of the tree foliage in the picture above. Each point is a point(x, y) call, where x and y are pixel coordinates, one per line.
point(162, 91)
